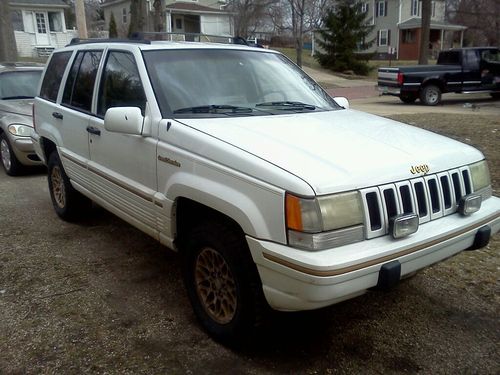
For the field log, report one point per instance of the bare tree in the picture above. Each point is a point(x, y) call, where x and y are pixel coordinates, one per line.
point(482, 18)
point(423, 58)
point(298, 11)
point(8, 50)
point(248, 14)
point(157, 16)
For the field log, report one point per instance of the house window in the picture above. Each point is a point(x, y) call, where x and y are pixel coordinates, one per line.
point(124, 15)
point(382, 8)
point(383, 37)
point(433, 9)
point(178, 23)
point(41, 26)
point(364, 7)
point(55, 21)
point(409, 36)
point(16, 17)
point(415, 8)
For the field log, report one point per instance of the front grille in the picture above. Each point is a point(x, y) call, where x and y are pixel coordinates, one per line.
point(430, 197)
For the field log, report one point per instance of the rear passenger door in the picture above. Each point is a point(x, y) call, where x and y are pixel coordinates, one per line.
point(123, 165)
point(77, 100)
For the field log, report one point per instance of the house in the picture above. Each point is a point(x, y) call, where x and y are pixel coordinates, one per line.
point(198, 16)
point(39, 26)
point(397, 28)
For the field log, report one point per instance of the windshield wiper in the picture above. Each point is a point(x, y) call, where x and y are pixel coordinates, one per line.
point(17, 97)
point(288, 105)
point(214, 108)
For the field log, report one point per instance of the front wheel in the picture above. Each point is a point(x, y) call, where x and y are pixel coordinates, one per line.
point(495, 95)
point(10, 163)
point(222, 282)
point(430, 95)
point(68, 203)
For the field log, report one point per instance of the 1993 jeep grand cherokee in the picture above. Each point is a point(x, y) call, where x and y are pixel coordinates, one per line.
point(274, 193)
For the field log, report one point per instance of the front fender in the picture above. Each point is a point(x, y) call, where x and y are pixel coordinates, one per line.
point(257, 209)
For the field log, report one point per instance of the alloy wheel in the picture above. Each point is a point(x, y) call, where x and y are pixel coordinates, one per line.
point(215, 286)
point(6, 157)
point(58, 189)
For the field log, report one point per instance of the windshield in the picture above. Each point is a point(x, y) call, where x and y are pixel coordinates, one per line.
point(218, 83)
point(19, 85)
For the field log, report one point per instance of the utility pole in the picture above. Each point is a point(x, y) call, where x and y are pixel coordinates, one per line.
point(8, 49)
point(81, 22)
point(425, 32)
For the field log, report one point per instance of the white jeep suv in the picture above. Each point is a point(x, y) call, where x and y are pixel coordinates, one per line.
point(274, 193)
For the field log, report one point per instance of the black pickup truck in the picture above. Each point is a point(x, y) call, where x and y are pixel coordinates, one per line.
point(461, 70)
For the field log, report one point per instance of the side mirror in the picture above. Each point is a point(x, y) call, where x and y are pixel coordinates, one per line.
point(341, 101)
point(127, 120)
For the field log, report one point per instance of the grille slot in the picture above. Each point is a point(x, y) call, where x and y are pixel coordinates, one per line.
point(430, 197)
point(374, 210)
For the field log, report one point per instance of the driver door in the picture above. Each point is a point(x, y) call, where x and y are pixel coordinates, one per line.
point(123, 165)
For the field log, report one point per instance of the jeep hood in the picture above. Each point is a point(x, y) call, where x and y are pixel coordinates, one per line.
point(338, 150)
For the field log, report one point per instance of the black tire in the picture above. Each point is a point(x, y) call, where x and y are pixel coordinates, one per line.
point(68, 203)
point(495, 95)
point(430, 95)
point(408, 98)
point(10, 163)
point(222, 283)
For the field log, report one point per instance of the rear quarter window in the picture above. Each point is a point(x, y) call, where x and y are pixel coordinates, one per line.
point(449, 58)
point(53, 75)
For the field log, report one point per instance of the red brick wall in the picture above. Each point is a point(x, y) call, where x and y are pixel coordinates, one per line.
point(409, 51)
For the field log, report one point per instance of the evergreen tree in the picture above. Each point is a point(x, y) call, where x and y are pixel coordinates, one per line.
point(113, 32)
point(343, 37)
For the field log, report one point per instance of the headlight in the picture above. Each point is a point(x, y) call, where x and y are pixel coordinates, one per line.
point(480, 175)
point(324, 222)
point(20, 130)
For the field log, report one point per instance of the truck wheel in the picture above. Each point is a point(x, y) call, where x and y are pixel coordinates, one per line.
point(68, 203)
point(10, 163)
point(430, 95)
point(495, 95)
point(222, 282)
point(408, 98)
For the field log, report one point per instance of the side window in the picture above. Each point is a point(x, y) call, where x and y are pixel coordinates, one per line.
point(80, 83)
point(120, 84)
point(53, 75)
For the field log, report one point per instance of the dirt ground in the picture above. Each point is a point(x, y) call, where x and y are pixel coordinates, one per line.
point(101, 297)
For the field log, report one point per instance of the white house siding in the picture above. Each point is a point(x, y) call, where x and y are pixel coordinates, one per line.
point(215, 24)
point(439, 13)
point(117, 10)
point(26, 43)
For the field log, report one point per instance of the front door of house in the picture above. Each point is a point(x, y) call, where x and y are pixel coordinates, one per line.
point(177, 23)
point(42, 34)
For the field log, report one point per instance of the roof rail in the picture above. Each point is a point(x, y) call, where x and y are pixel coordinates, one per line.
point(188, 37)
point(112, 40)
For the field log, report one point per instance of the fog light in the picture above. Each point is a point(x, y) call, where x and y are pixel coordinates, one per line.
point(403, 225)
point(469, 204)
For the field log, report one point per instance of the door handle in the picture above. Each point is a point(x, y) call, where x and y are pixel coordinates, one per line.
point(57, 115)
point(93, 130)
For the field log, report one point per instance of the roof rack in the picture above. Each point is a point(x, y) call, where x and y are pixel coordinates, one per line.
point(188, 37)
point(133, 39)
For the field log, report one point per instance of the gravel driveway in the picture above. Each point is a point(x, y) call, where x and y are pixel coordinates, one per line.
point(101, 297)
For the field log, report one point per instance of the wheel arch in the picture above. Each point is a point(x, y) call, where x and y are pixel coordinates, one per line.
point(433, 81)
point(47, 146)
point(202, 198)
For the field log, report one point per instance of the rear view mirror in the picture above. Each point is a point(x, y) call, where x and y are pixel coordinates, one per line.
point(127, 120)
